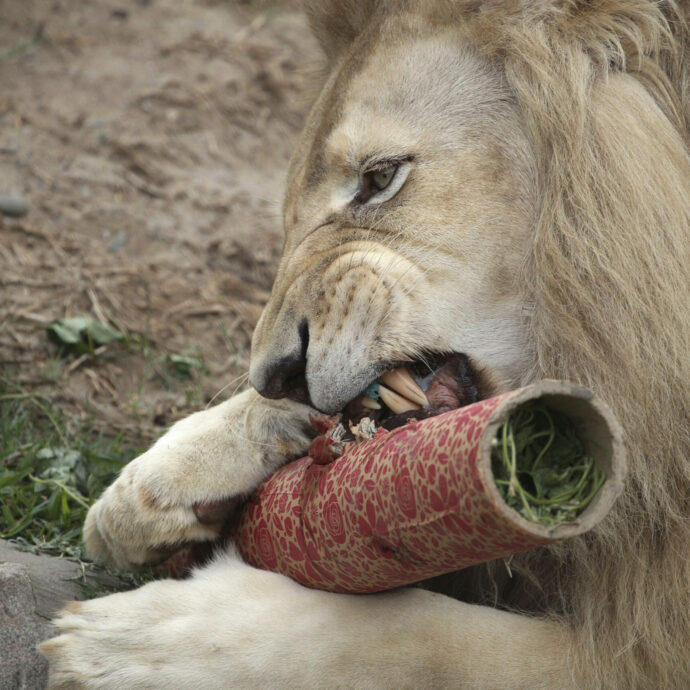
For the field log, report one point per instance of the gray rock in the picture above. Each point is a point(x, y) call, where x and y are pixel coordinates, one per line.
point(32, 590)
point(14, 205)
point(54, 580)
point(21, 629)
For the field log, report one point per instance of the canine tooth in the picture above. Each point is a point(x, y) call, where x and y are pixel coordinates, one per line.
point(401, 381)
point(370, 403)
point(396, 402)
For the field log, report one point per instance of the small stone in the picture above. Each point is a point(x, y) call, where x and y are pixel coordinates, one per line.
point(118, 241)
point(14, 205)
point(21, 665)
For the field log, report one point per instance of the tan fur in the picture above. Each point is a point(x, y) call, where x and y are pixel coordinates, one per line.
point(603, 90)
point(544, 229)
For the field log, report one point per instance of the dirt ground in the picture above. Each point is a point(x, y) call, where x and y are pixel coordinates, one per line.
point(150, 138)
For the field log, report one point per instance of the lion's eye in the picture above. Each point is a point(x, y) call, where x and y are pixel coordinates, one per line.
point(382, 178)
point(383, 182)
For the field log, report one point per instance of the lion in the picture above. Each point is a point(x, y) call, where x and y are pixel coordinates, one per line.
point(508, 179)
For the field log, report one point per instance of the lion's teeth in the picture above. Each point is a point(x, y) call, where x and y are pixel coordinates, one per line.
point(370, 403)
point(396, 402)
point(401, 381)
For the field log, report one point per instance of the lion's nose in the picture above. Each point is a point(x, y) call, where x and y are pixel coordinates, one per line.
point(283, 376)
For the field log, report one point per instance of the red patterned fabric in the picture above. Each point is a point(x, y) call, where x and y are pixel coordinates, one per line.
point(407, 505)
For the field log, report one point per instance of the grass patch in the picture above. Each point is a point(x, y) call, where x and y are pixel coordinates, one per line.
point(541, 466)
point(51, 470)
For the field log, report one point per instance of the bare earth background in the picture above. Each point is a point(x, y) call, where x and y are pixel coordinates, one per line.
point(150, 138)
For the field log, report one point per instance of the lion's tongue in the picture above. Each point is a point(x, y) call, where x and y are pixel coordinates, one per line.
point(448, 387)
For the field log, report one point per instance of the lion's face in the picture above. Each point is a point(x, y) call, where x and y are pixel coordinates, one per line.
point(410, 201)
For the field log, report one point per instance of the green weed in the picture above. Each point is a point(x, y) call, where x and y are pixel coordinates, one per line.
point(82, 334)
point(541, 466)
point(51, 471)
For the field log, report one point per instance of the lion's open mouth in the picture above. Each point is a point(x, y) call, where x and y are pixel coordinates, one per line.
point(417, 390)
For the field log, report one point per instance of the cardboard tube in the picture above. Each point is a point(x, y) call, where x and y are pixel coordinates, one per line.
point(418, 501)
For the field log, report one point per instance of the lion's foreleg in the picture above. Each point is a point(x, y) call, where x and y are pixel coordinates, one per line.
point(234, 626)
point(176, 491)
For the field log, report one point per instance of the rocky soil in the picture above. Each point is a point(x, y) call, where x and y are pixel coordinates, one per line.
point(143, 148)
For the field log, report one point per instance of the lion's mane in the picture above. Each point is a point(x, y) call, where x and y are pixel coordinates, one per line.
point(604, 88)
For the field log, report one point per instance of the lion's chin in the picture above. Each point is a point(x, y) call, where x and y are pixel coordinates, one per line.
point(424, 388)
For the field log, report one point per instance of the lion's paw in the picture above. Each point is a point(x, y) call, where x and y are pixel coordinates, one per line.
point(137, 522)
point(230, 625)
point(182, 489)
point(102, 645)
point(146, 638)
